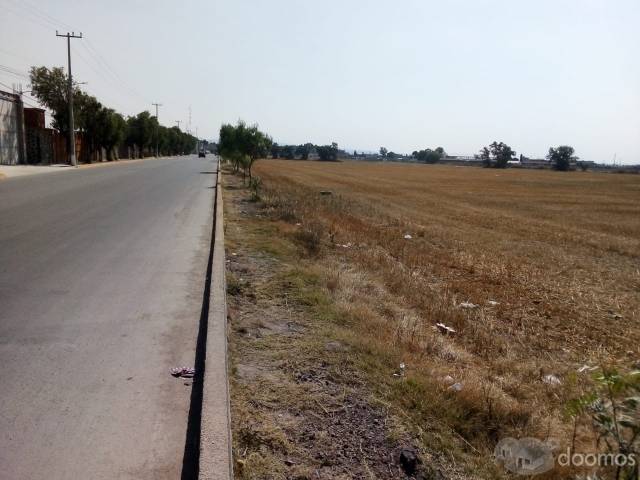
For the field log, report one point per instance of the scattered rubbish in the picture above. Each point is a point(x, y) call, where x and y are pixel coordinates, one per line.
point(347, 245)
point(409, 461)
point(448, 379)
point(456, 387)
point(183, 372)
point(468, 305)
point(444, 329)
point(586, 368)
point(615, 315)
point(234, 254)
point(400, 372)
point(326, 192)
point(551, 379)
point(493, 303)
point(407, 236)
point(298, 224)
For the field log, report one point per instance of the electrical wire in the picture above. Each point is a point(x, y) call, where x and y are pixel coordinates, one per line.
point(38, 16)
point(100, 66)
point(23, 100)
point(13, 71)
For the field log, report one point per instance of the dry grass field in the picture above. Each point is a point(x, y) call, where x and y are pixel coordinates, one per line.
point(536, 272)
point(550, 260)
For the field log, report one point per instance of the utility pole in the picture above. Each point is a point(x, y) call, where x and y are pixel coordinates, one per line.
point(178, 122)
point(72, 138)
point(158, 127)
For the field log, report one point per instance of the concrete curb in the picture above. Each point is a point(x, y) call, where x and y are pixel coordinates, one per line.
point(215, 435)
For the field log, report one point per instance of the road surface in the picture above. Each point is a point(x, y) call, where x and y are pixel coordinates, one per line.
point(102, 272)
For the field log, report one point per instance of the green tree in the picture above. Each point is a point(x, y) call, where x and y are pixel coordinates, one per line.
point(561, 157)
point(328, 152)
point(429, 156)
point(112, 130)
point(383, 152)
point(275, 150)
point(89, 121)
point(288, 152)
point(304, 150)
point(243, 145)
point(50, 88)
point(141, 131)
point(613, 406)
point(497, 155)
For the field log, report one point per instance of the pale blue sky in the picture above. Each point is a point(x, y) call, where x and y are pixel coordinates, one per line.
point(402, 74)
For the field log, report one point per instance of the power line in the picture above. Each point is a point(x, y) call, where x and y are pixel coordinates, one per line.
point(39, 16)
point(13, 71)
point(100, 77)
point(22, 95)
point(36, 15)
point(107, 66)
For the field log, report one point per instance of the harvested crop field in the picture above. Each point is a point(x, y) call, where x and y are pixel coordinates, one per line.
point(532, 276)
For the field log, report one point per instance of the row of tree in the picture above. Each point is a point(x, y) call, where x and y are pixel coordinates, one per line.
point(102, 127)
point(290, 152)
point(499, 154)
point(429, 156)
point(496, 155)
point(242, 145)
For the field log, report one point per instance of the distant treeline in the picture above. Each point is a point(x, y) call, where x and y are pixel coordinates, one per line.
point(242, 145)
point(306, 151)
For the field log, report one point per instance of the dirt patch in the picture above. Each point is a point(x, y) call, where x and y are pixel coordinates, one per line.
point(301, 408)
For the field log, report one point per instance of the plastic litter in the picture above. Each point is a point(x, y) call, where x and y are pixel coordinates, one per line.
point(400, 371)
point(493, 303)
point(444, 329)
point(468, 305)
point(407, 236)
point(551, 379)
point(456, 387)
point(448, 380)
point(183, 372)
point(586, 368)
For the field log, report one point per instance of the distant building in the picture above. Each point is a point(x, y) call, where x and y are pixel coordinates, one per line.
point(461, 160)
point(534, 162)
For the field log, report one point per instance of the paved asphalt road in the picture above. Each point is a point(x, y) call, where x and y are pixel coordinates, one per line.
point(102, 272)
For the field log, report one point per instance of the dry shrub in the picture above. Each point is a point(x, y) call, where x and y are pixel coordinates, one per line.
point(309, 236)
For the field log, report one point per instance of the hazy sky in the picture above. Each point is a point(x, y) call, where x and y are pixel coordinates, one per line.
point(402, 74)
